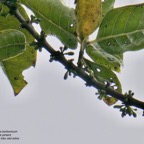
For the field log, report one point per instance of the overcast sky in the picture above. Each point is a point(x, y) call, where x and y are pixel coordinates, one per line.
point(50, 110)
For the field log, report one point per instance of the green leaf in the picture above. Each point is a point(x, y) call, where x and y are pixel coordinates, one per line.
point(107, 5)
point(10, 22)
point(56, 19)
point(122, 30)
point(12, 42)
point(101, 57)
point(88, 14)
point(103, 75)
point(14, 23)
point(14, 67)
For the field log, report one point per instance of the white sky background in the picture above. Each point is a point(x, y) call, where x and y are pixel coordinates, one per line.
point(53, 111)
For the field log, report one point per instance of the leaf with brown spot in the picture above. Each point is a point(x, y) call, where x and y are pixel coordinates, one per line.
point(88, 14)
point(15, 66)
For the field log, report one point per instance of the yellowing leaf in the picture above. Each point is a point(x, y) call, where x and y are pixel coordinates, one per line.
point(88, 14)
point(109, 100)
point(15, 66)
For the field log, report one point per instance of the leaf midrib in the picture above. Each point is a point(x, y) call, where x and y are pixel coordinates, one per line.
point(117, 35)
point(43, 16)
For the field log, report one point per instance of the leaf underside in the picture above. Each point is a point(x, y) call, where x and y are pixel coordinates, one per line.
point(122, 30)
point(101, 57)
point(12, 42)
point(107, 5)
point(14, 66)
point(56, 19)
point(105, 75)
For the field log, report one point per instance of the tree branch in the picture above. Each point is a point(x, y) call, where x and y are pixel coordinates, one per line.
point(69, 65)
